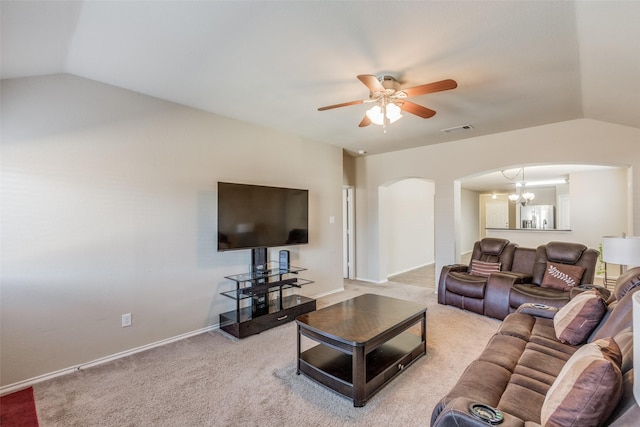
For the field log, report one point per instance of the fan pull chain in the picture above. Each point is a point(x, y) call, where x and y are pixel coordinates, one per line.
point(385, 120)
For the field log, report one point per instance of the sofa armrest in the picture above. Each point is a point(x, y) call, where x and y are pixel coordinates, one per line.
point(442, 284)
point(456, 414)
point(458, 267)
point(604, 292)
point(538, 310)
point(496, 295)
point(521, 277)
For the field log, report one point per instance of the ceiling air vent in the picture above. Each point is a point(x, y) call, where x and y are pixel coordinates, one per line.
point(457, 129)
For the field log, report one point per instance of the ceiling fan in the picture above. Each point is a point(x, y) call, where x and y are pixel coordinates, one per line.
point(390, 99)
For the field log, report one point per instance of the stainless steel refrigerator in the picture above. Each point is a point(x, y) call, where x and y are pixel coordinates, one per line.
point(541, 217)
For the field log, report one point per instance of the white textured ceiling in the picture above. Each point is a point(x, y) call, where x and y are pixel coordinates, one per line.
point(273, 63)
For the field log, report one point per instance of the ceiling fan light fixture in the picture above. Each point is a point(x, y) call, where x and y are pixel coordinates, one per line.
point(385, 92)
point(377, 114)
point(393, 113)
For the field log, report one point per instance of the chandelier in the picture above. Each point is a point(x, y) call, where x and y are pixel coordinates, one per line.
point(518, 196)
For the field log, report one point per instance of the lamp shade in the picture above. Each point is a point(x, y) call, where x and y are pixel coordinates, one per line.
point(375, 115)
point(393, 112)
point(621, 250)
point(636, 346)
point(528, 196)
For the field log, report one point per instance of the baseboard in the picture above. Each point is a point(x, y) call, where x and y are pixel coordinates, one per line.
point(31, 381)
point(376, 282)
point(324, 294)
point(410, 269)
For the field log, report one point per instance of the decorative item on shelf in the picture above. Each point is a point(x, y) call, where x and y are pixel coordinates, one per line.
point(621, 250)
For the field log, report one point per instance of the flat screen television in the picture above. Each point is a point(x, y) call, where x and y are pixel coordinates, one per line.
point(256, 216)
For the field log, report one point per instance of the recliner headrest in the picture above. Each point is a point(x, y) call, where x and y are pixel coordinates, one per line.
point(564, 252)
point(492, 245)
point(627, 282)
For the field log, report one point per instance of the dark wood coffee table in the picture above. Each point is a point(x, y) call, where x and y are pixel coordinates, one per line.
point(364, 343)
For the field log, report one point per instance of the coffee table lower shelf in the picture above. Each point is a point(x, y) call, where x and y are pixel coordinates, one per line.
point(334, 368)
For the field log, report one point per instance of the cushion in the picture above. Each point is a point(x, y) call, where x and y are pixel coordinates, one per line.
point(483, 268)
point(564, 252)
point(493, 245)
point(562, 276)
point(587, 389)
point(575, 321)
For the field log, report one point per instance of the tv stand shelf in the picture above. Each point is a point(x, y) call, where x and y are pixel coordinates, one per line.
point(261, 302)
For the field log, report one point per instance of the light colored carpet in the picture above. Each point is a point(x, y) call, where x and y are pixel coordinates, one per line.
point(422, 276)
point(215, 380)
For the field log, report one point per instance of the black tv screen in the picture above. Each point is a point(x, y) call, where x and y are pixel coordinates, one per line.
point(256, 216)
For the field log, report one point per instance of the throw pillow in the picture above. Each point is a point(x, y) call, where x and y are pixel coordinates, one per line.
point(484, 268)
point(587, 389)
point(562, 276)
point(574, 322)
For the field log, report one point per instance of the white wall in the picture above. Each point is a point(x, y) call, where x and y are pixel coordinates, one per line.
point(581, 141)
point(469, 214)
point(596, 210)
point(108, 206)
point(408, 228)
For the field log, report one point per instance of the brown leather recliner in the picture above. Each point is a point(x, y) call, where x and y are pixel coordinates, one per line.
point(504, 294)
point(508, 290)
point(561, 253)
point(460, 288)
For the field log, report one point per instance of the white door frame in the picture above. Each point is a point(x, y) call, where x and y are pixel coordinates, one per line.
point(348, 233)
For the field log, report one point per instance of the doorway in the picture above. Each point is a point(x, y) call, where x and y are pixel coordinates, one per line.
point(348, 234)
point(406, 225)
point(497, 215)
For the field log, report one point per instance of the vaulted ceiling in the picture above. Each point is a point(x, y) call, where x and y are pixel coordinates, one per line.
point(273, 63)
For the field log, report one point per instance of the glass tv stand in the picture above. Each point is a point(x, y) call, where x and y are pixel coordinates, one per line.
point(265, 299)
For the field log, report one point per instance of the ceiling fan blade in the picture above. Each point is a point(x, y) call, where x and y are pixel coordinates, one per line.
point(416, 109)
point(371, 82)
point(366, 121)
point(344, 104)
point(431, 87)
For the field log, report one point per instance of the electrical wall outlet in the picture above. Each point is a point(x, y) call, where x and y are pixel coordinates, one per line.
point(126, 320)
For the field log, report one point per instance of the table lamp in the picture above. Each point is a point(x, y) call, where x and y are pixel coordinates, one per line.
point(621, 250)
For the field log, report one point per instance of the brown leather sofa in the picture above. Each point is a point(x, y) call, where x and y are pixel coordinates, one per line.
point(505, 294)
point(460, 288)
point(518, 369)
point(520, 279)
